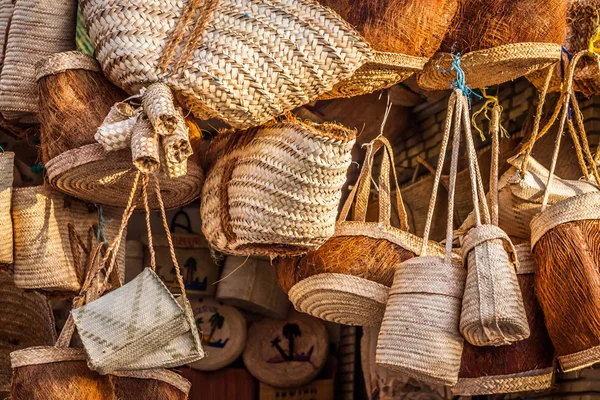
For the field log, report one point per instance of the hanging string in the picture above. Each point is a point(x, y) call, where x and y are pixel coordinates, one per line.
point(460, 81)
point(101, 225)
point(490, 103)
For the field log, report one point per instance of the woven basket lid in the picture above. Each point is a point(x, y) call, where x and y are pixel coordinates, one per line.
point(386, 70)
point(223, 333)
point(90, 174)
point(270, 342)
point(343, 299)
point(253, 287)
point(489, 67)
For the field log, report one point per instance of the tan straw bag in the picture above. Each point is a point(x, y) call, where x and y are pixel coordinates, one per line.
point(492, 310)
point(430, 288)
point(523, 366)
point(564, 240)
point(347, 279)
point(7, 160)
point(244, 61)
point(275, 190)
point(140, 325)
point(51, 238)
point(38, 29)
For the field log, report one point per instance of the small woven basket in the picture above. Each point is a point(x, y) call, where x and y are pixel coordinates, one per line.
point(275, 190)
point(50, 235)
point(38, 29)
point(523, 366)
point(429, 347)
point(243, 61)
point(354, 291)
point(6, 231)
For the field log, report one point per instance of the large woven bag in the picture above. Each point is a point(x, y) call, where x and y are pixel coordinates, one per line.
point(523, 366)
point(140, 325)
point(493, 43)
point(244, 61)
point(347, 279)
point(7, 160)
point(430, 288)
point(7, 8)
point(38, 29)
point(51, 233)
point(275, 190)
point(582, 34)
point(402, 33)
point(492, 310)
point(564, 240)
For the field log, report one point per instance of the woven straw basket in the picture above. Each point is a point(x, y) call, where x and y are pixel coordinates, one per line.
point(275, 190)
point(492, 310)
point(38, 29)
point(243, 61)
point(253, 287)
point(6, 182)
point(7, 8)
point(359, 299)
point(524, 366)
point(91, 174)
point(62, 373)
point(51, 233)
point(429, 347)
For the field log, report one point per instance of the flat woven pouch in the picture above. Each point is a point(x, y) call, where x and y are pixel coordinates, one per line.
point(275, 190)
point(243, 61)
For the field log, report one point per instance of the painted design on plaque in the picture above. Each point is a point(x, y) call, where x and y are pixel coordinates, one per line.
point(290, 332)
point(215, 321)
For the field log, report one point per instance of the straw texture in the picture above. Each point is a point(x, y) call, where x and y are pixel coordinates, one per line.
point(145, 149)
point(6, 225)
point(48, 254)
point(158, 106)
point(340, 298)
point(7, 8)
point(524, 366)
point(242, 61)
point(489, 67)
point(135, 327)
point(91, 174)
point(115, 131)
point(275, 190)
point(38, 29)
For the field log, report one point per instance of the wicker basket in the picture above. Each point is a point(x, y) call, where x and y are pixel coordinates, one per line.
point(352, 292)
point(7, 8)
point(494, 44)
point(275, 190)
point(38, 29)
point(524, 366)
point(6, 182)
point(428, 348)
point(242, 61)
point(49, 231)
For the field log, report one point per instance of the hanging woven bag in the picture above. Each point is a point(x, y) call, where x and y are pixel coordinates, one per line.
point(60, 372)
point(564, 240)
point(140, 325)
point(37, 29)
point(7, 7)
point(524, 366)
point(243, 61)
point(494, 42)
point(51, 234)
point(402, 33)
point(7, 161)
point(583, 33)
point(275, 190)
point(492, 309)
point(430, 288)
point(347, 279)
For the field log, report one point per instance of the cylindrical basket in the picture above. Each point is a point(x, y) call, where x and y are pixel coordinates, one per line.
point(244, 61)
point(38, 29)
point(524, 366)
point(275, 190)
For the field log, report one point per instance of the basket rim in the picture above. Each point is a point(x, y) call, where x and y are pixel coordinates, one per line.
point(534, 380)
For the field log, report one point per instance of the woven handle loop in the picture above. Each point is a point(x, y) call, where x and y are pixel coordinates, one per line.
point(494, 170)
point(359, 196)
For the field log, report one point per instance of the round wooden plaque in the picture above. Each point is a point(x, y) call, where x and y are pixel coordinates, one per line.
point(286, 353)
point(223, 333)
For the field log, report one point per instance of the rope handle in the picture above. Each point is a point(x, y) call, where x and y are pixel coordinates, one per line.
point(359, 196)
point(495, 164)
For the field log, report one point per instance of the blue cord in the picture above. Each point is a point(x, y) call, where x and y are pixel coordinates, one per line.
point(460, 81)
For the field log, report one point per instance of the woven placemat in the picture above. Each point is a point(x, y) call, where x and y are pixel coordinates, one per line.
point(91, 174)
point(489, 67)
